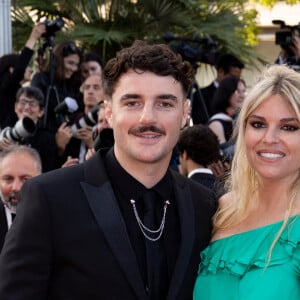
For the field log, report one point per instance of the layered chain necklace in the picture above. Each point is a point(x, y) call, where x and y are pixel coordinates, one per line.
point(144, 229)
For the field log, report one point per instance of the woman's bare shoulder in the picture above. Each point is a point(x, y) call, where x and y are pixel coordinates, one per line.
point(225, 200)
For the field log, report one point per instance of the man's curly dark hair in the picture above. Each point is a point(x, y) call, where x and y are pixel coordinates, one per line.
point(200, 144)
point(140, 57)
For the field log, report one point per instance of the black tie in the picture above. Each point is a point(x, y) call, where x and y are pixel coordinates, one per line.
point(155, 255)
point(13, 216)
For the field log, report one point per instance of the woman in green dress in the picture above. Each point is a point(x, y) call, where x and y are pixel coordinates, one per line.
point(255, 248)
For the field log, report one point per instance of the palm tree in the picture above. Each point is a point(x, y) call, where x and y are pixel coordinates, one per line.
point(106, 26)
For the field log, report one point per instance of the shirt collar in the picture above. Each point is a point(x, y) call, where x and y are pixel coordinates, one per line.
point(128, 186)
point(8, 216)
point(200, 170)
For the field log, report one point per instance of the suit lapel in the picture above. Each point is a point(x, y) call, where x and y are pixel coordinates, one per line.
point(187, 226)
point(102, 201)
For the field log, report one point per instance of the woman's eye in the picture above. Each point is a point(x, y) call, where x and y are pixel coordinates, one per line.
point(290, 127)
point(257, 124)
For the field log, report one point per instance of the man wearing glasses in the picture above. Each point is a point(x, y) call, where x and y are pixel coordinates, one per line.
point(30, 104)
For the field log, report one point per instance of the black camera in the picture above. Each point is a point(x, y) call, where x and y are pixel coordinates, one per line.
point(284, 37)
point(23, 128)
point(194, 49)
point(52, 26)
point(65, 109)
point(90, 119)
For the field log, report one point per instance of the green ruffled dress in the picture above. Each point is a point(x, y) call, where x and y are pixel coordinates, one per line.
point(234, 268)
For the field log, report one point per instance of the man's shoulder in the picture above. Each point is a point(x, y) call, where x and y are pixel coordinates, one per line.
point(91, 171)
point(203, 199)
point(62, 174)
point(194, 186)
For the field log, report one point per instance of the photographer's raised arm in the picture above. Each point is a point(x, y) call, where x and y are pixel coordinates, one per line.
point(35, 34)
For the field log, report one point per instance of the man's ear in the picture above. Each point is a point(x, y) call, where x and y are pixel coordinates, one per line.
point(108, 112)
point(184, 155)
point(186, 112)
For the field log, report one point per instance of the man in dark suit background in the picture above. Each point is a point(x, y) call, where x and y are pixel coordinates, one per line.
point(17, 164)
point(91, 231)
point(198, 148)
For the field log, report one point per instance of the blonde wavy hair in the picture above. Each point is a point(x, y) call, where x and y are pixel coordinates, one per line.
point(242, 182)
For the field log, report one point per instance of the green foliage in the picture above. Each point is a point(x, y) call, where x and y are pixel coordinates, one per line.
point(104, 26)
point(22, 26)
point(271, 3)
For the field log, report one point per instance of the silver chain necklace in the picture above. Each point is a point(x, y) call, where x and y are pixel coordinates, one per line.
point(144, 229)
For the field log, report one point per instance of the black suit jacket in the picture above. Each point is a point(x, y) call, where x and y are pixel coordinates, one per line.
point(74, 245)
point(3, 225)
point(208, 180)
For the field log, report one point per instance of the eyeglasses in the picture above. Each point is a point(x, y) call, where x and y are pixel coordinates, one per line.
point(23, 103)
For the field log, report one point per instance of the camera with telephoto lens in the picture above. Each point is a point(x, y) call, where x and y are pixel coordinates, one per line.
point(90, 119)
point(284, 37)
point(52, 26)
point(65, 109)
point(23, 128)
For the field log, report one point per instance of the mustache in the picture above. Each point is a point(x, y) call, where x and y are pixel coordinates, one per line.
point(143, 129)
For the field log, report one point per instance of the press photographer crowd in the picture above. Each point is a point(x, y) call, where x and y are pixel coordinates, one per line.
point(59, 110)
point(55, 110)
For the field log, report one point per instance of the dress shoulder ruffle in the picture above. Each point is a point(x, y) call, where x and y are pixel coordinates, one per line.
point(238, 253)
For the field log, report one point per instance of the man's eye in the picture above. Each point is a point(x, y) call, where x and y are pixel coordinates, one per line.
point(165, 104)
point(132, 103)
point(7, 180)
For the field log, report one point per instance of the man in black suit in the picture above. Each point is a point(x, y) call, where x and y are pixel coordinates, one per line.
point(198, 148)
point(17, 164)
point(122, 225)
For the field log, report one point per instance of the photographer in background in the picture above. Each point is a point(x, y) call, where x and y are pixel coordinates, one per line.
point(286, 56)
point(288, 38)
point(227, 65)
point(74, 139)
point(92, 64)
point(60, 79)
point(15, 71)
point(30, 104)
point(102, 133)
